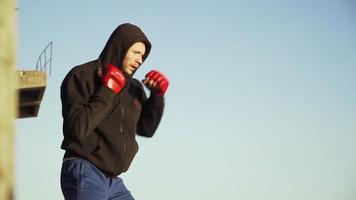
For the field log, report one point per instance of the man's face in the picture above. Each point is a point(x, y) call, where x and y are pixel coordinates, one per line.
point(133, 57)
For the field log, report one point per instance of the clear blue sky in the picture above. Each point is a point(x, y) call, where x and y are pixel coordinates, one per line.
point(262, 102)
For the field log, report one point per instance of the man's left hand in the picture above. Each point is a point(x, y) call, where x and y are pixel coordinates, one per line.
point(156, 82)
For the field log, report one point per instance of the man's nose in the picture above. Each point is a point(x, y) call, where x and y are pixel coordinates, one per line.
point(139, 60)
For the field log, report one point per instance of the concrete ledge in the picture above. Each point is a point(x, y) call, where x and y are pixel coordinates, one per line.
point(31, 87)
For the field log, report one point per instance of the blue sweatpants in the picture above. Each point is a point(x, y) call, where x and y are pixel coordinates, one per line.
point(80, 180)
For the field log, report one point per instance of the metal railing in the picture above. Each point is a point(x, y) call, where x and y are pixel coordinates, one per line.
point(45, 59)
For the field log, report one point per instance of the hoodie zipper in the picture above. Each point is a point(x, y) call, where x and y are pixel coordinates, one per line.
point(122, 119)
point(121, 127)
point(122, 132)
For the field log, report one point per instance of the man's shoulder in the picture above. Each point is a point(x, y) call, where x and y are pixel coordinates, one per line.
point(82, 71)
point(85, 67)
point(136, 89)
point(137, 84)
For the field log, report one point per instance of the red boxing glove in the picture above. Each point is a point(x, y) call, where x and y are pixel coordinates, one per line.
point(156, 82)
point(114, 78)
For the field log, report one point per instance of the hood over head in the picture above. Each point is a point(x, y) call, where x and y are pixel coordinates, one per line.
point(123, 37)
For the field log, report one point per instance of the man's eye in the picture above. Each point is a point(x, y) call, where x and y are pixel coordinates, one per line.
point(137, 52)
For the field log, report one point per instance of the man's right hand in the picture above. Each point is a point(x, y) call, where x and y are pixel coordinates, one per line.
point(114, 78)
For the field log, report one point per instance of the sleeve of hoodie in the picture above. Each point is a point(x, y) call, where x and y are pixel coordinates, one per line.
point(82, 109)
point(150, 117)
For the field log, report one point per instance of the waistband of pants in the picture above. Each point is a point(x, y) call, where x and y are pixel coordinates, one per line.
point(70, 155)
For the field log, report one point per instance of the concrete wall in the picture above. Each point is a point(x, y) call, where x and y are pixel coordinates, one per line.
point(8, 98)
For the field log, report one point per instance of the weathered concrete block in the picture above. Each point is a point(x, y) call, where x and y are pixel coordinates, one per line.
point(31, 87)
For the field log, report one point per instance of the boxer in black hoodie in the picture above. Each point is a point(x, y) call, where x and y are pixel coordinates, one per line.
point(103, 108)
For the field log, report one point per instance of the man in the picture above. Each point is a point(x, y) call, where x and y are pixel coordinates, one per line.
point(103, 107)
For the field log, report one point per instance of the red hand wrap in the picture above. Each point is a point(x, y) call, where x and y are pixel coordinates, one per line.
point(162, 81)
point(114, 78)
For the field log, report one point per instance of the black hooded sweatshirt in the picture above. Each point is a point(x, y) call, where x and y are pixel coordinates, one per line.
point(99, 125)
